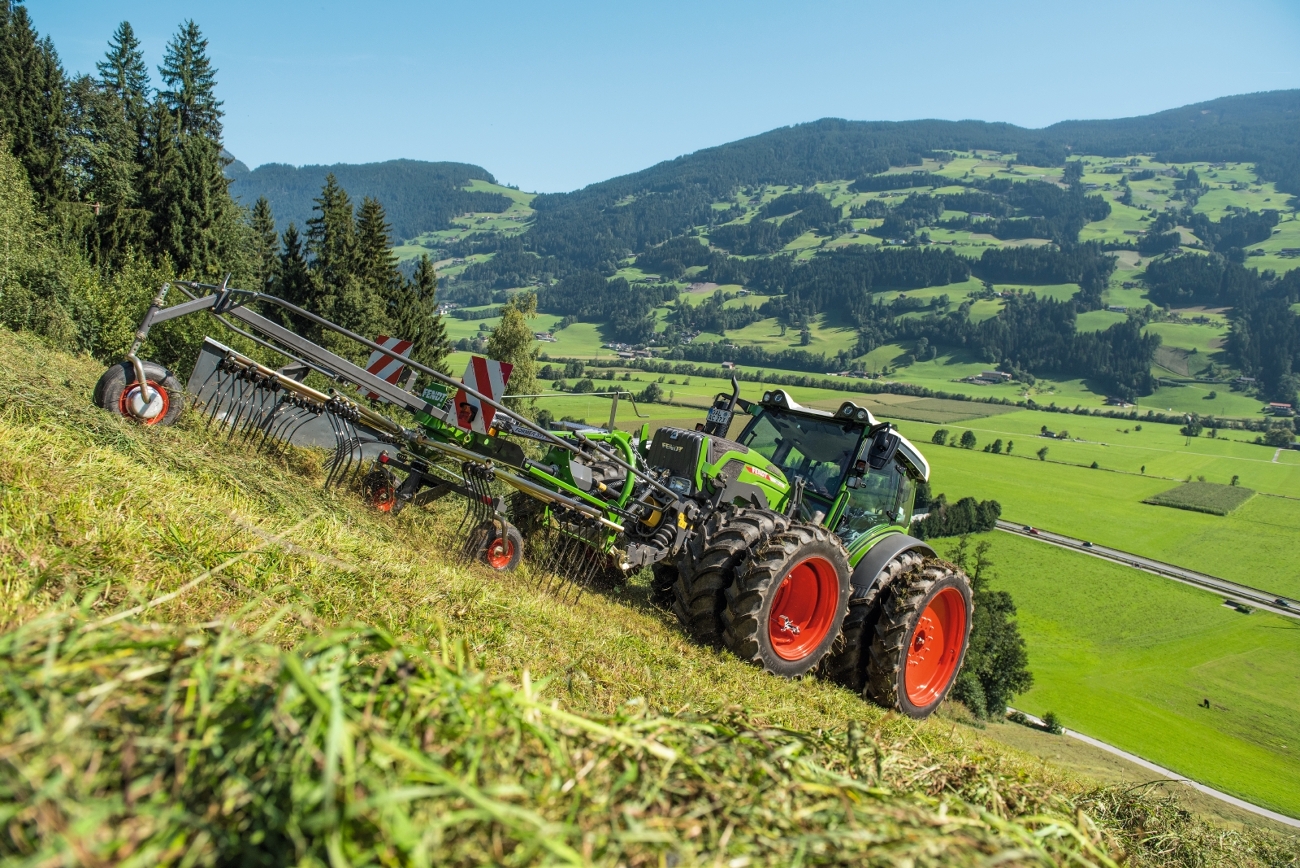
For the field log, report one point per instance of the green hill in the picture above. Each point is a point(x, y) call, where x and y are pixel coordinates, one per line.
point(417, 196)
point(209, 659)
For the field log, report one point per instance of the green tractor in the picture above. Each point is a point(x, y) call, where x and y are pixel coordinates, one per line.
point(788, 545)
point(802, 559)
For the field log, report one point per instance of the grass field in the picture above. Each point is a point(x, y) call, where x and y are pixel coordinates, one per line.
point(1205, 497)
point(1251, 546)
point(1126, 657)
point(345, 669)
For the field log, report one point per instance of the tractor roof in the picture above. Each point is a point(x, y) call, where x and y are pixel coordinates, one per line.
point(781, 399)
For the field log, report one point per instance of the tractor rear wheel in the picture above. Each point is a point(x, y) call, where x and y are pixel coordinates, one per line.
point(787, 604)
point(846, 663)
point(921, 639)
point(709, 565)
point(497, 544)
point(118, 392)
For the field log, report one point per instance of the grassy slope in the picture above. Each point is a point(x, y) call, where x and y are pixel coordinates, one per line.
point(1126, 657)
point(118, 515)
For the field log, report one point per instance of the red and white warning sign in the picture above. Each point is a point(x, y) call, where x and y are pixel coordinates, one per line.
point(383, 366)
point(487, 377)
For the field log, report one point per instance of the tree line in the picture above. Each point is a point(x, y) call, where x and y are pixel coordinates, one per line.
point(112, 186)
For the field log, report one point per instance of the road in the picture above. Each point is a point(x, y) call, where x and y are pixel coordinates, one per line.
point(1174, 776)
point(1231, 591)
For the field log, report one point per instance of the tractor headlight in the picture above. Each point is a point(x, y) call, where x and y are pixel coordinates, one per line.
point(767, 397)
point(847, 408)
point(861, 414)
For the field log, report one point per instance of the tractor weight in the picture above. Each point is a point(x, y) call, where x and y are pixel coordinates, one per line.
point(709, 565)
point(118, 392)
point(921, 639)
point(785, 609)
point(846, 663)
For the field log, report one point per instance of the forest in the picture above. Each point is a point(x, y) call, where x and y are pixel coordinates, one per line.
point(418, 196)
point(111, 185)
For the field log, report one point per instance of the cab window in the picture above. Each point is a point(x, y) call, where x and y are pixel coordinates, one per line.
point(883, 498)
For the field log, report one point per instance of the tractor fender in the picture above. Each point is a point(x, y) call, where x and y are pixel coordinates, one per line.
point(891, 546)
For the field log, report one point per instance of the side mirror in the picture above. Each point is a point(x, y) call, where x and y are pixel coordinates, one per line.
point(884, 443)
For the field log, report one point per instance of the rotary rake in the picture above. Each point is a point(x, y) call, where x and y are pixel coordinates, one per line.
point(457, 444)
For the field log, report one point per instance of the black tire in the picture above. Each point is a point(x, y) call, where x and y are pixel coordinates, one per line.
point(117, 385)
point(753, 598)
point(708, 567)
point(846, 664)
point(902, 607)
point(497, 545)
point(379, 488)
point(663, 576)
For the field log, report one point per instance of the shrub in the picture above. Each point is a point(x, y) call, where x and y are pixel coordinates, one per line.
point(1052, 723)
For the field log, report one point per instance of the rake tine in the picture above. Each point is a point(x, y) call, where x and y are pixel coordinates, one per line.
point(286, 439)
point(272, 419)
point(218, 397)
point(242, 404)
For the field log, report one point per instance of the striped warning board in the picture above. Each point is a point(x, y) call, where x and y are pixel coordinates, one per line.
point(489, 378)
point(383, 366)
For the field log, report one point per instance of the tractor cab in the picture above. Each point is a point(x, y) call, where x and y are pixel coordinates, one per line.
point(858, 476)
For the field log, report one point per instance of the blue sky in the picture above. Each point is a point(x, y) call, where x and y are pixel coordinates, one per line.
point(553, 96)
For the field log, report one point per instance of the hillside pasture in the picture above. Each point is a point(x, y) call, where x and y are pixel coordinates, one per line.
point(1127, 657)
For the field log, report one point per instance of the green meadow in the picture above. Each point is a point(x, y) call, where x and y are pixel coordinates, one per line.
point(1128, 658)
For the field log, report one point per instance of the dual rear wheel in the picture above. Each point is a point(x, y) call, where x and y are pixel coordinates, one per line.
point(776, 593)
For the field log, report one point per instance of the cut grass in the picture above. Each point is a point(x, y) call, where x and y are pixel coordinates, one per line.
point(1203, 497)
point(275, 720)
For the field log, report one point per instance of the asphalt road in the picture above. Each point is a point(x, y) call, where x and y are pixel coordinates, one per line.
point(1231, 591)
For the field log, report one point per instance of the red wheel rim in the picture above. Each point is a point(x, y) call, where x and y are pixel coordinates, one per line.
point(132, 390)
point(384, 498)
point(500, 552)
point(804, 608)
point(934, 649)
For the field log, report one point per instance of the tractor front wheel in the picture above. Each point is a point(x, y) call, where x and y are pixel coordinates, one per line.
point(921, 639)
point(786, 607)
point(118, 392)
point(709, 564)
point(497, 544)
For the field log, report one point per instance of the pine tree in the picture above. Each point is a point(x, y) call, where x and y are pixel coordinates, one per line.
point(189, 84)
point(331, 248)
point(417, 319)
point(193, 220)
point(123, 74)
point(104, 173)
point(292, 279)
point(266, 243)
point(513, 341)
point(376, 266)
point(33, 104)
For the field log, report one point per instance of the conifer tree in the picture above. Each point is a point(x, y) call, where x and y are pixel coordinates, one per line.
point(193, 221)
point(292, 279)
point(376, 266)
point(123, 74)
point(331, 248)
point(513, 341)
point(104, 172)
point(189, 84)
point(33, 104)
point(266, 243)
point(417, 319)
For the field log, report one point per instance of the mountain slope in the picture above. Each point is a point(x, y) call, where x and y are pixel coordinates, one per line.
point(417, 196)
